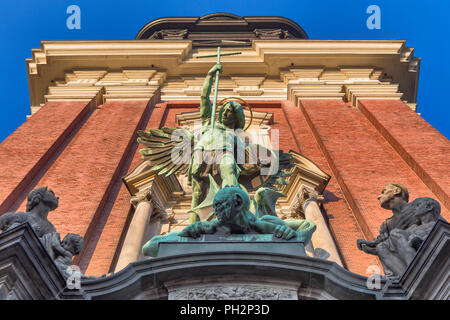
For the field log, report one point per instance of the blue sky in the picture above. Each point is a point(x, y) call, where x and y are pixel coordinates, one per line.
point(423, 24)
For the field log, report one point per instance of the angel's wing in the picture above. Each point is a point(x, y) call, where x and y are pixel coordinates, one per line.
point(168, 149)
point(271, 169)
point(263, 202)
point(281, 176)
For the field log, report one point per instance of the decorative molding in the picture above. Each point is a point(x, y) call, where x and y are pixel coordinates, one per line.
point(170, 34)
point(214, 29)
point(93, 94)
point(248, 86)
point(104, 85)
point(164, 190)
point(323, 278)
point(350, 84)
point(384, 91)
point(293, 62)
point(349, 92)
point(187, 119)
point(306, 194)
point(50, 63)
point(73, 93)
point(314, 91)
point(428, 275)
point(26, 270)
point(272, 34)
point(144, 195)
point(304, 173)
point(234, 291)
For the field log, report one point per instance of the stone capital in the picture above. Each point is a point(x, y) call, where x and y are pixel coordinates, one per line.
point(306, 194)
point(145, 195)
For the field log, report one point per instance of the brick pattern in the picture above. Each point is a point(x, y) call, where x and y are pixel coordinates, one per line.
point(85, 172)
point(102, 260)
point(26, 153)
point(423, 148)
point(360, 158)
point(362, 150)
point(286, 138)
point(280, 122)
point(341, 221)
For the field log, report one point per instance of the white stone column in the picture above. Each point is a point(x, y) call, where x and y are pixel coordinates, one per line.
point(132, 245)
point(309, 199)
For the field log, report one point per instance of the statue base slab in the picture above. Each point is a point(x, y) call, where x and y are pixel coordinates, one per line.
point(266, 243)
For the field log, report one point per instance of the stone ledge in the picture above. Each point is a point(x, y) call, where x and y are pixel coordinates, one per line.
point(249, 243)
point(26, 270)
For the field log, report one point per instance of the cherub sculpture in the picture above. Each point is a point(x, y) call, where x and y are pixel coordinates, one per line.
point(232, 209)
point(402, 234)
point(40, 202)
point(63, 251)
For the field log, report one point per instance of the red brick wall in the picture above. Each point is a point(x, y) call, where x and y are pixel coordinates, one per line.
point(27, 152)
point(85, 173)
point(83, 155)
point(342, 222)
point(423, 148)
point(102, 259)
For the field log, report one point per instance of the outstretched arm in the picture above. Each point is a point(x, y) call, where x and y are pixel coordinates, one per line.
point(279, 230)
point(205, 103)
point(198, 228)
point(369, 247)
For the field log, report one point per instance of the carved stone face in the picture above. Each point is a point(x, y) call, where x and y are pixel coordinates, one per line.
point(224, 207)
point(68, 245)
point(427, 209)
point(388, 194)
point(72, 243)
point(229, 118)
point(230, 202)
point(50, 199)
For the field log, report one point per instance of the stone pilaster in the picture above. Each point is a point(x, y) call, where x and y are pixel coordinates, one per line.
point(146, 223)
point(309, 200)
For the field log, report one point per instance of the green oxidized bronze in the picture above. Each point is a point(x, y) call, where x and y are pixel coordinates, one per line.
point(232, 209)
point(220, 169)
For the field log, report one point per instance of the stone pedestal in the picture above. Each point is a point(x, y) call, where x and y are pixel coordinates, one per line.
point(267, 243)
point(234, 270)
point(26, 270)
point(233, 286)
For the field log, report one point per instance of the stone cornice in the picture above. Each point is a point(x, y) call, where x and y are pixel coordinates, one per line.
point(152, 275)
point(349, 92)
point(214, 29)
point(371, 91)
point(262, 71)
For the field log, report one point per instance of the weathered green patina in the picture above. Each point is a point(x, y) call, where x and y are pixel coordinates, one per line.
point(221, 205)
point(232, 209)
point(217, 156)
